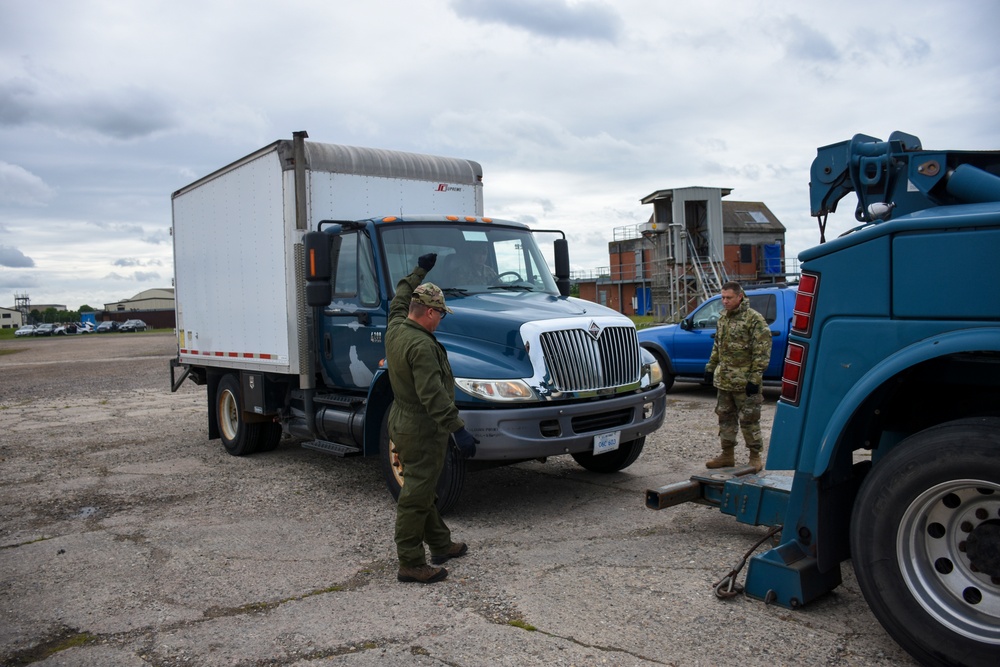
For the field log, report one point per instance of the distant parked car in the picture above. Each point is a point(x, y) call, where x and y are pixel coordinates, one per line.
point(70, 328)
point(683, 349)
point(26, 330)
point(107, 327)
point(84, 327)
point(44, 330)
point(133, 325)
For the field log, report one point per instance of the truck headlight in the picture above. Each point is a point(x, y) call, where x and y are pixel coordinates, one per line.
point(652, 374)
point(497, 390)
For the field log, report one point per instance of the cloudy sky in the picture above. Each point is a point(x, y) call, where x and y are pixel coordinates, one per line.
point(575, 108)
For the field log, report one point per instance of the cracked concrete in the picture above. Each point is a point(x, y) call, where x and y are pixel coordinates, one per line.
point(127, 538)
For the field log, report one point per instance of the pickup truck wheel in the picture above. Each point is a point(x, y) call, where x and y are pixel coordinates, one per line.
point(239, 437)
point(925, 542)
point(449, 485)
point(619, 459)
point(668, 377)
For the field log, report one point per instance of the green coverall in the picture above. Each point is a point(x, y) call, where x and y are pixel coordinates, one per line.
point(421, 419)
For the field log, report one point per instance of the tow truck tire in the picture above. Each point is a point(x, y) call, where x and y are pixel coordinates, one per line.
point(619, 459)
point(240, 437)
point(452, 478)
point(925, 543)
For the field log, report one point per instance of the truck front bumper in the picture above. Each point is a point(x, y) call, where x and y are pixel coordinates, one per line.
point(518, 434)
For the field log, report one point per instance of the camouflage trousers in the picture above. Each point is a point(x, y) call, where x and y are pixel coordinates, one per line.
point(737, 410)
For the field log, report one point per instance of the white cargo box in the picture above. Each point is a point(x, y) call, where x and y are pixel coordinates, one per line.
point(238, 244)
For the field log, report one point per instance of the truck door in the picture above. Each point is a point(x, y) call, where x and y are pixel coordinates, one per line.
point(693, 343)
point(767, 305)
point(351, 344)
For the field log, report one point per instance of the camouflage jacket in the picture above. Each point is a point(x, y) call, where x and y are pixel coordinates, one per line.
point(741, 350)
point(419, 372)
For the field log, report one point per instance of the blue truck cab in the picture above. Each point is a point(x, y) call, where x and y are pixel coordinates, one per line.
point(538, 374)
point(683, 349)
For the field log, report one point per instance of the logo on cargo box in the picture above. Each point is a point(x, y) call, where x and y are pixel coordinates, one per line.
point(444, 187)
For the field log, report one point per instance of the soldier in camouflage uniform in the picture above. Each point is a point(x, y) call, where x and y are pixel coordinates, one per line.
point(422, 418)
point(740, 354)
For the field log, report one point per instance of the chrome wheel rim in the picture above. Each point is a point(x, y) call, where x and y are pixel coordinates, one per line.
point(947, 547)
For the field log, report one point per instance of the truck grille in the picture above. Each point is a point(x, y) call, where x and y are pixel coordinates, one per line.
point(578, 362)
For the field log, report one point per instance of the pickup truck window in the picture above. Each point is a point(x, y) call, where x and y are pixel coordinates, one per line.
point(766, 305)
point(707, 317)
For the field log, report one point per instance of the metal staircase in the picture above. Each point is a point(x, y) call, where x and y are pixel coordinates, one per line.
point(710, 273)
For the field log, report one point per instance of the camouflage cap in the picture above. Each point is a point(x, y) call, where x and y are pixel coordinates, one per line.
point(431, 295)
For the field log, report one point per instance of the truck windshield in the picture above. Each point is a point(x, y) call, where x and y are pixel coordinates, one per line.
point(470, 258)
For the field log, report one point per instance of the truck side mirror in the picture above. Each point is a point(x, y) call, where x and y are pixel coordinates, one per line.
point(560, 248)
point(686, 324)
point(318, 269)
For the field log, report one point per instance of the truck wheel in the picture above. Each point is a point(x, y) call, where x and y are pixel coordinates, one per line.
point(452, 476)
point(925, 543)
point(238, 436)
point(619, 459)
point(270, 437)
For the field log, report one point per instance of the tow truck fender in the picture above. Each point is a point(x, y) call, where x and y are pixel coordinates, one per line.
point(965, 340)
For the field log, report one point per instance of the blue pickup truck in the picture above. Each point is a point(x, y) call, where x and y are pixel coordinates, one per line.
point(683, 349)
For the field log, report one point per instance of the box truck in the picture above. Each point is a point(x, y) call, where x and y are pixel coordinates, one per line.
point(285, 262)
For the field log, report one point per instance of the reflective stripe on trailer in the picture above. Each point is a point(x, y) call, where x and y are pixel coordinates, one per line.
point(234, 355)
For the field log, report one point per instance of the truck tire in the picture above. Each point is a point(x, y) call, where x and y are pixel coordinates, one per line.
point(925, 542)
point(240, 437)
point(619, 459)
point(452, 476)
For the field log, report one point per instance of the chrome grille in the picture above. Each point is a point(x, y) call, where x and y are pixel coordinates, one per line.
point(578, 362)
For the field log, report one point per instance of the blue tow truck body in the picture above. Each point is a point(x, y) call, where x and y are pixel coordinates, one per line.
point(889, 416)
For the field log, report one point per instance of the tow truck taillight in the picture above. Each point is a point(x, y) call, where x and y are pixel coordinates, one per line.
point(791, 375)
point(805, 304)
point(803, 315)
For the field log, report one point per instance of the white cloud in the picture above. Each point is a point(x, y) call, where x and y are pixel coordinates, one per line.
point(18, 186)
point(575, 108)
point(13, 257)
point(585, 19)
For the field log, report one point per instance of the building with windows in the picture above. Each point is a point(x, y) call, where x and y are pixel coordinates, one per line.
point(11, 318)
point(693, 243)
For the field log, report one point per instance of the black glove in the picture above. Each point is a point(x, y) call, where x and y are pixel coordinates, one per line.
point(427, 262)
point(466, 443)
point(752, 388)
point(709, 377)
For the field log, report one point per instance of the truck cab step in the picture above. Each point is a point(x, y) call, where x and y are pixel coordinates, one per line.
point(343, 400)
point(334, 448)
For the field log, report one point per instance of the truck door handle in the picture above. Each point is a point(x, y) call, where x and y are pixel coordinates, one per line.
point(362, 315)
point(775, 334)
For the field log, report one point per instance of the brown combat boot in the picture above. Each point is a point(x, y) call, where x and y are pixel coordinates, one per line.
point(455, 550)
point(756, 462)
point(723, 460)
point(421, 574)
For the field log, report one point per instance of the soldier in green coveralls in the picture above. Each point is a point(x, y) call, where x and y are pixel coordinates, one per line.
point(422, 419)
point(740, 355)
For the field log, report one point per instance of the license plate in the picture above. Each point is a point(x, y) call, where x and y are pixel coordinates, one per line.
point(606, 442)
